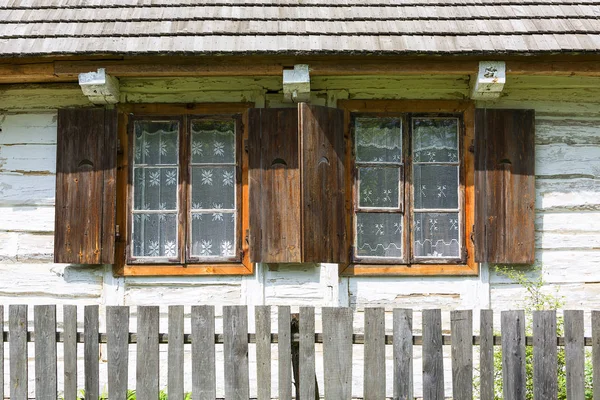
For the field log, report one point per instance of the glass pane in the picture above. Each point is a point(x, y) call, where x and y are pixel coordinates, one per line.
point(213, 187)
point(156, 142)
point(378, 187)
point(155, 235)
point(213, 141)
point(435, 186)
point(378, 139)
point(435, 140)
point(213, 235)
point(436, 235)
point(379, 235)
point(155, 188)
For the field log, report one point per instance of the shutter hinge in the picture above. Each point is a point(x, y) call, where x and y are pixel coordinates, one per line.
point(246, 145)
point(117, 232)
point(247, 236)
point(473, 234)
point(472, 147)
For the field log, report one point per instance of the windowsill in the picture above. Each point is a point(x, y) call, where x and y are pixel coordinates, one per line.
point(185, 269)
point(469, 269)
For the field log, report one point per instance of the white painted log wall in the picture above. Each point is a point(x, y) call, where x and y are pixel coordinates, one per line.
point(567, 206)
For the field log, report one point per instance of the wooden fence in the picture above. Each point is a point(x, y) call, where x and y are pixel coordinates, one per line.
point(295, 340)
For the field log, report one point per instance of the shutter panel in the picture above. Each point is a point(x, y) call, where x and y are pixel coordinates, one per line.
point(84, 230)
point(505, 186)
point(323, 184)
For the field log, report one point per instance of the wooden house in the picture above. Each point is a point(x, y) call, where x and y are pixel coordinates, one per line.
point(299, 152)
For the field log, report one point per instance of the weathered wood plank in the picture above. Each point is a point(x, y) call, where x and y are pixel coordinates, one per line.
point(545, 384)
point(70, 352)
point(91, 351)
point(17, 329)
point(203, 353)
point(1, 351)
point(263, 352)
point(307, 353)
point(235, 349)
point(337, 352)
point(403, 354)
point(374, 354)
point(117, 344)
point(574, 354)
point(147, 368)
point(596, 353)
point(512, 328)
point(44, 326)
point(175, 353)
point(486, 355)
point(433, 357)
point(284, 352)
point(461, 325)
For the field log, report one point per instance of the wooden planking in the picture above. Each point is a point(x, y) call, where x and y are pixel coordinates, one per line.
point(44, 326)
point(308, 381)
point(505, 186)
point(235, 349)
point(70, 352)
point(374, 353)
point(596, 353)
point(284, 352)
point(486, 355)
point(263, 352)
point(274, 185)
point(574, 354)
point(17, 329)
point(323, 176)
point(512, 328)
point(337, 352)
point(117, 344)
point(147, 363)
point(91, 351)
point(433, 357)
point(545, 365)
point(461, 326)
point(403, 354)
point(176, 353)
point(203, 353)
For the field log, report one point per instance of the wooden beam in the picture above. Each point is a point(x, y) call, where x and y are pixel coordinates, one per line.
point(27, 73)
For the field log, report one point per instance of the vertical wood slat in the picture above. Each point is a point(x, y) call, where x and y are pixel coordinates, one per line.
point(337, 352)
point(17, 329)
point(403, 354)
point(461, 325)
point(203, 353)
point(284, 351)
point(374, 354)
point(263, 352)
point(486, 355)
point(307, 353)
point(596, 353)
point(545, 385)
point(44, 326)
point(235, 349)
point(433, 357)
point(512, 326)
point(70, 351)
point(574, 354)
point(1, 351)
point(175, 353)
point(91, 351)
point(147, 365)
point(117, 346)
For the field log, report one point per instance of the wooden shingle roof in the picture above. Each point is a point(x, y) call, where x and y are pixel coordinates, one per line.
point(77, 27)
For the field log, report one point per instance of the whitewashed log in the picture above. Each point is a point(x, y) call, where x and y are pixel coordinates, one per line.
point(568, 222)
point(40, 158)
point(19, 189)
point(366, 83)
point(198, 96)
point(561, 159)
point(548, 240)
point(196, 84)
point(567, 131)
point(28, 128)
point(27, 219)
point(577, 194)
point(35, 97)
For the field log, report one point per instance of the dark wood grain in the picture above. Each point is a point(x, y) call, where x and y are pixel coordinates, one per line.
point(203, 353)
point(337, 352)
point(486, 355)
point(403, 354)
point(17, 329)
point(505, 186)
point(512, 326)
point(284, 352)
point(70, 352)
point(574, 354)
point(175, 350)
point(374, 354)
point(433, 357)
point(307, 353)
point(147, 362)
point(461, 326)
point(263, 352)
point(44, 325)
point(117, 345)
point(235, 351)
point(91, 351)
point(545, 384)
point(596, 353)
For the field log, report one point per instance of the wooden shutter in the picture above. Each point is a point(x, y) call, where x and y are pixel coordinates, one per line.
point(84, 231)
point(504, 186)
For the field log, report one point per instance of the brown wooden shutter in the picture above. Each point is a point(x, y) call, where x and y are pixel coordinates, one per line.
point(84, 231)
point(504, 186)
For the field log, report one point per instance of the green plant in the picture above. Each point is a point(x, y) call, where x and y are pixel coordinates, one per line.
point(131, 395)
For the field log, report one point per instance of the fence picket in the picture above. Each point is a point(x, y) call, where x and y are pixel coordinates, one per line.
point(574, 354)
point(17, 329)
point(337, 352)
point(235, 349)
point(70, 352)
point(44, 326)
point(175, 353)
point(307, 353)
point(486, 355)
point(284, 350)
point(461, 325)
point(596, 353)
point(433, 357)
point(203, 353)
point(374, 354)
point(512, 327)
point(263, 352)
point(403, 354)
point(147, 367)
point(117, 347)
point(91, 351)
point(545, 384)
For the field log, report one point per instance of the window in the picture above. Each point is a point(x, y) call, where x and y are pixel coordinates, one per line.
point(185, 189)
point(411, 179)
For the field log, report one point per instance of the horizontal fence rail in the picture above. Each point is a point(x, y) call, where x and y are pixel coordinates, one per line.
point(295, 340)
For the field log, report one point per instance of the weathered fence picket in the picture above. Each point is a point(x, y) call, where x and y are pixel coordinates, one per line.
point(337, 338)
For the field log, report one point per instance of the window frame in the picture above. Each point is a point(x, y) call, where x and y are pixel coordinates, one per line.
point(411, 109)
point(128, 113)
